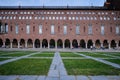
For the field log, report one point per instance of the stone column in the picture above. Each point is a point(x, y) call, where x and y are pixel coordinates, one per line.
point(40, 44)
point(93, 44)
point(25, 44)
point(109, 46)
point(63, 45)
point(33, 45)
point(71, 45)
point(4, 44)
point(10, 44)
point(56, 45)
point(18, 44)
point(117, 45)
point(86, 45)
point(101, 44)
point(48, 45)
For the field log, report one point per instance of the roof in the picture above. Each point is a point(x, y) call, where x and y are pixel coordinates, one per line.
point(52, 8)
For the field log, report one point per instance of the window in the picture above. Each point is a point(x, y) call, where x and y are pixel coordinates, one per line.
point(65, 29)
point(6, 28)
point(16, 29)
point(40, 29)
point(102, 30)
point(52, 29)
point(90, 29)
point(77, 29)
point(27, 29)
point(117, 30)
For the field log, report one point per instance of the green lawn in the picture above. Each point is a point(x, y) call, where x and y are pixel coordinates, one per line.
point(97, 55)
point(68, 54)
point(2, 59)
point(44, 54)
point(117, 61)
point(17, 54)
point(7, 52)
point(111, 53)
point(89, 67)
point(26, 67)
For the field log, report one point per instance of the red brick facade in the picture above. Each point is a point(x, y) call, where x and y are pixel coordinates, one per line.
point(109, 19)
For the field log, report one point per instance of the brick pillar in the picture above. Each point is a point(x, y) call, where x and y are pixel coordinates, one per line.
point(48, 45)
point(109, 46)
point(71, 45)
point(40, 44)
point(56, 44)
point(86, 45)
point(63, 45)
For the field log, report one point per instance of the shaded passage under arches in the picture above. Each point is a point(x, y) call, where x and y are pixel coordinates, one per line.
point(82, 43)
point(59, 44)
point(30, 43)
point(1, 42)
point(113, 44)
point(15, 43)
point(75, 43)
point(7, 43)
point(105, 44)
point(37, 43)
point(22, 43)
point(52, 43)
point(97, 44)
point(67, 43)
point(44, 43)
point(90, 43)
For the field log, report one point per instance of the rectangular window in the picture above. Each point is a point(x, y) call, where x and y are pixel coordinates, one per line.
point(102, 30)
point(52, 29)
point(65, 29)
point(40, 29)
point(117, 30)
point(16, 28)
point(77, 29)
point(6, 28)
point(27, 29)
point(90, 29)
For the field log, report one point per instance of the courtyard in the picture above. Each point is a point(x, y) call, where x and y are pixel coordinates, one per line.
point(59, 65)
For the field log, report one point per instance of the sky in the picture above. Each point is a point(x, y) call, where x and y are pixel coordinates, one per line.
point(52, 2)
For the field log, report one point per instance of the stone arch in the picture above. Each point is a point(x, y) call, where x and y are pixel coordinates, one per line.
point(30, 43)
point(89, 43)
point(22, 43)
point(105, 44)
point(75, 43)
point(52, 43)
point(7, 43)
point(44, 43)
point(59, 43)
point(15, 43)
point(113, 44)
point(97, 43)
point(37, 43)
point(67, 43)
point(82, 43)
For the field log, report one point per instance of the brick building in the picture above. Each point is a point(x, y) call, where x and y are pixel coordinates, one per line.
point(59, 27)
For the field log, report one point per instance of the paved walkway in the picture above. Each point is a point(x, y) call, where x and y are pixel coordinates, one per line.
point(100, 60)
point(57, 68)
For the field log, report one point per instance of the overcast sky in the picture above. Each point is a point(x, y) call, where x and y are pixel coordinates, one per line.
point(52, 2)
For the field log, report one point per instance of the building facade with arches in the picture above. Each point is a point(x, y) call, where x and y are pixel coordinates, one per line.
point(59, 27)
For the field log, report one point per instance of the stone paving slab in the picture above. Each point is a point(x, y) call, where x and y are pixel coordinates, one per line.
point(41, 78)
point(82, 78)
point(27, 77)
point(113, 77)
point(8, 77)
point(98, 78)
point(52, 78)
point(67, 78)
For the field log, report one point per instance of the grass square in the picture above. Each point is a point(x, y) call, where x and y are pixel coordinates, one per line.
point(44, 54)
point(96, 55)
point(26, 67)
point(69, 54)
point(89, 67)
point(17, 54)
point(2, 59)
point(117, 61)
